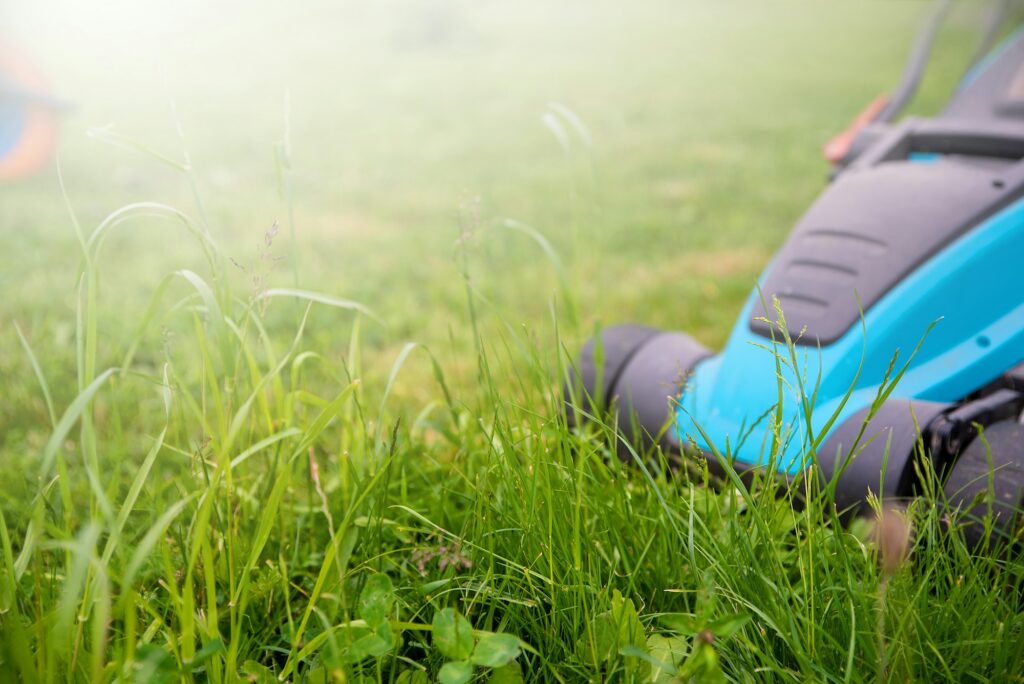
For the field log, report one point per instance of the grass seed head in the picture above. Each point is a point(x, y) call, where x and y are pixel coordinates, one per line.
point(892, 535)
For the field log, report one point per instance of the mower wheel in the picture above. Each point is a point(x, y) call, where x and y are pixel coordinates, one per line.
point(640, 372)
point(993, 462)
point(599, 366)
point(883, 448)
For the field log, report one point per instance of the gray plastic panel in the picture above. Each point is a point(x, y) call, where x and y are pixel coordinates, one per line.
point(884, 216)
point(874, 225)
point(998, 90)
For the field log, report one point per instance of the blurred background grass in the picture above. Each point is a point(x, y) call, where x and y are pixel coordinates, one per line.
point(410, 124)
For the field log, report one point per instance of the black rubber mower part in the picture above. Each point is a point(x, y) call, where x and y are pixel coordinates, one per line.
point(996, 460)
point(883, 458)
point(643, 372)
point(587, 386)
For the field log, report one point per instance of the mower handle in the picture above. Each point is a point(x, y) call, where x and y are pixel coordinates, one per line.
point(916, 63)
point(998, 139)
point(886, 107)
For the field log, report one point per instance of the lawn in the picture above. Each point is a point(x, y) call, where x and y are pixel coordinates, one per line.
point(281, 348)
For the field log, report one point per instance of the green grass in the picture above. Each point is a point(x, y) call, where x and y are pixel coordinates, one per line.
point(211, 474)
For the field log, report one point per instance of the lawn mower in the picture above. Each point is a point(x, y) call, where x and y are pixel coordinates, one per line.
point(888, 328)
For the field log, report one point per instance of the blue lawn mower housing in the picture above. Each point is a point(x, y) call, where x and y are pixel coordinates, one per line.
point(908, 267)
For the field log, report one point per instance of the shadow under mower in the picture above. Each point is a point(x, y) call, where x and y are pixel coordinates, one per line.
point(915, 251)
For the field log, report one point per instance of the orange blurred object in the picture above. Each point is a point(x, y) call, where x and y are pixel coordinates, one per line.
point(28, 117)
point(835, 150)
